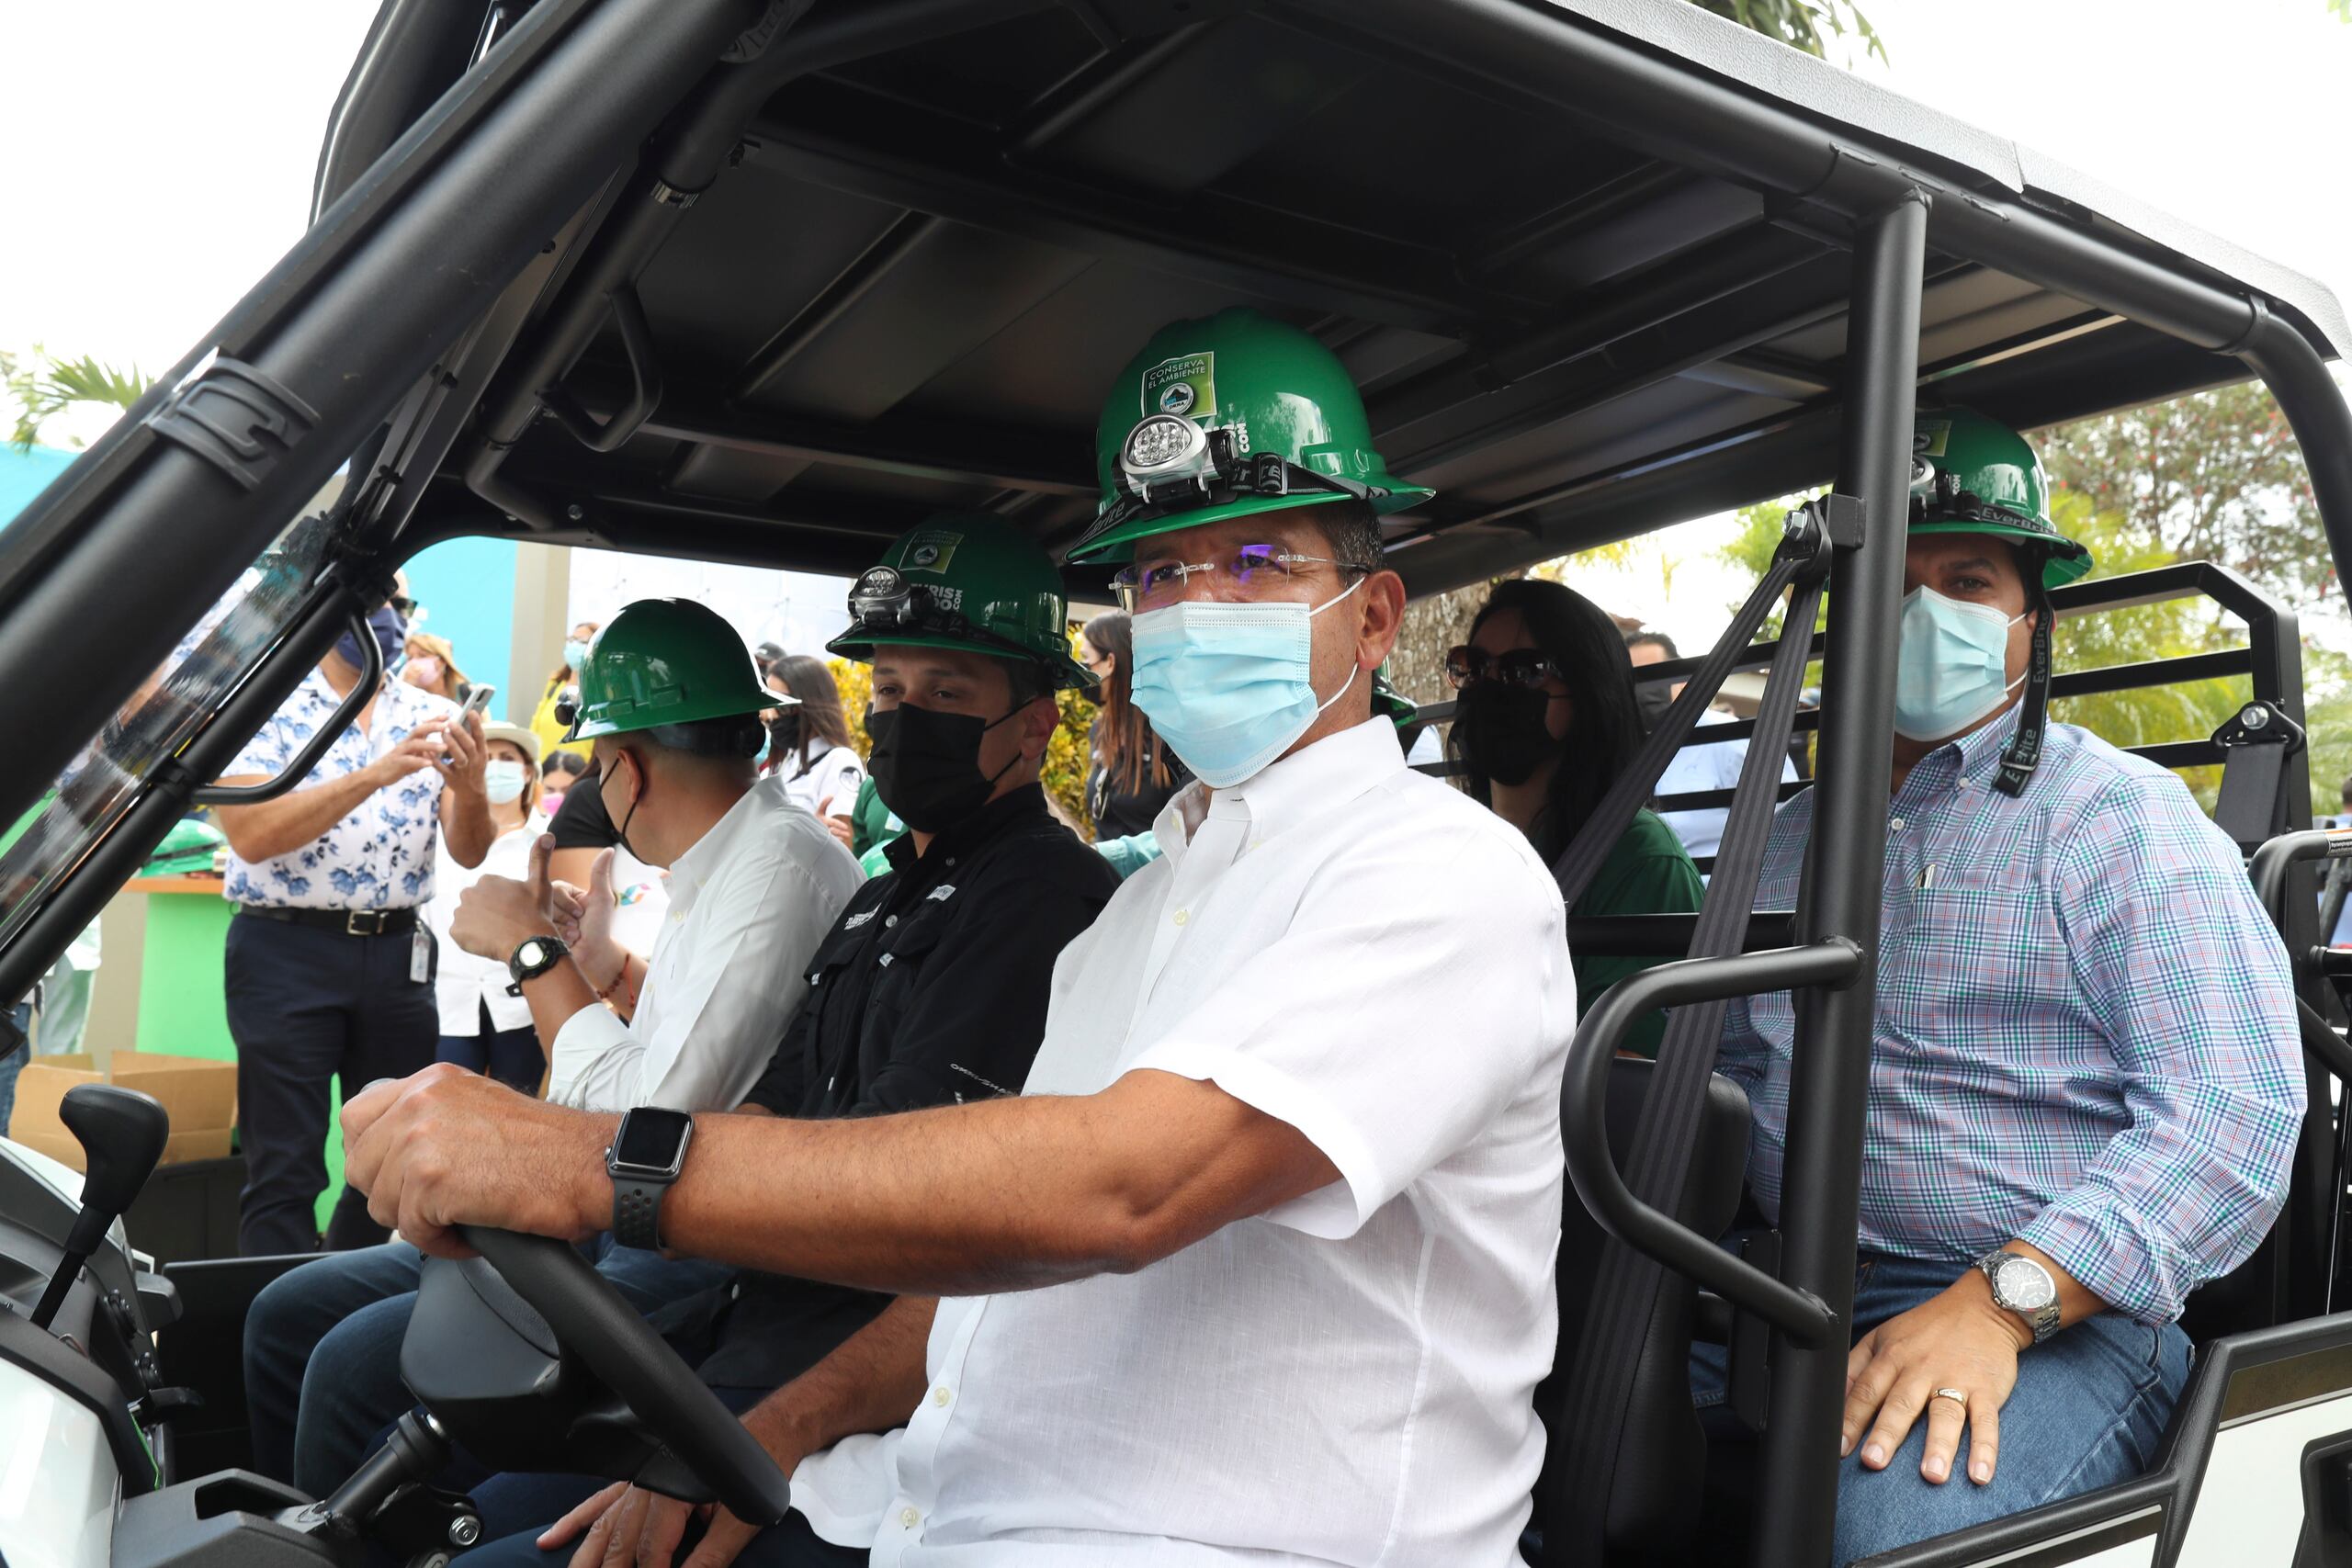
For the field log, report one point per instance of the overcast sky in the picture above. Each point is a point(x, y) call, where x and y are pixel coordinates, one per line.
point(176, 142)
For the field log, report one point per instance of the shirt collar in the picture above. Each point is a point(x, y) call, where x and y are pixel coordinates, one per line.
point(1976, 756)
point(1294, 789)
point(692, 871)
point(953, 844)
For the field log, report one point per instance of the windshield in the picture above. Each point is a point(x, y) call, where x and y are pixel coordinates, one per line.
point(84, 804)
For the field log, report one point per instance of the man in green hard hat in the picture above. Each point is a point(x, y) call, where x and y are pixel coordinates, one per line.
point(2065, 1135)
point(669, 700)
point(1282, 1195)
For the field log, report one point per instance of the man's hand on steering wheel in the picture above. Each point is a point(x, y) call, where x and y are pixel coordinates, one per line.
point(446, 1147)
point(628, 1524)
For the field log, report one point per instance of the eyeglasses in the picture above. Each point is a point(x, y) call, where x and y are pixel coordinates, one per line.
point(1150, 586)
point(1467, 666)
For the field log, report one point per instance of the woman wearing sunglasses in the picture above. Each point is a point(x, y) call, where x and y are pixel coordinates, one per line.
point(1546, 723)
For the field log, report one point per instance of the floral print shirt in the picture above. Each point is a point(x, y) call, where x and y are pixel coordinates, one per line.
point(379, 857)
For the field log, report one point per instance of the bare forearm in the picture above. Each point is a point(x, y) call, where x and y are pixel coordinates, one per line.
point(962, 1200)
point(465, 819)
point(279, 827)
point(1006, 1194)
point(868, 1384)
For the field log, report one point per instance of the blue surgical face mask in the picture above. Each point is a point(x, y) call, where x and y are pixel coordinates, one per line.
point(1951, 666)
point(1230, 686)
point(575, 654)
point(503, 780)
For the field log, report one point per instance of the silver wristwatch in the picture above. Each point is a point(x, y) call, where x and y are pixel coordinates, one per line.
point(2024, 1287)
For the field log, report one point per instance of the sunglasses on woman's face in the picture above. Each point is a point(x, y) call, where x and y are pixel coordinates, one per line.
point(1467, 666)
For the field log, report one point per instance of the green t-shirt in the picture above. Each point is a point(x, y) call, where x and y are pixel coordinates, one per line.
point(1649, 873)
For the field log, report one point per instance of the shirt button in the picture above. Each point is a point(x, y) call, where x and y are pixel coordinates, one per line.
point(1896, 824)
point(890, 920)
point(940, 1397)
point(908, 1519)
point(1182, 915)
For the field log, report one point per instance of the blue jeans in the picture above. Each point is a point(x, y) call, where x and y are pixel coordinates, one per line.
point(512, 1056)
point(323, 1351)
point(2089, 1408)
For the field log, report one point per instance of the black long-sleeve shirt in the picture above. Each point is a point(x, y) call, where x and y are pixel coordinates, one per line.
point(929, 989)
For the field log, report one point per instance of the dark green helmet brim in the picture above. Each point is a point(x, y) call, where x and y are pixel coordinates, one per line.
point(1064, 671)
point(2063, 561)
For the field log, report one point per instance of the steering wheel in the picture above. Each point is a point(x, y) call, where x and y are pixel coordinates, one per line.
point(597, 1322)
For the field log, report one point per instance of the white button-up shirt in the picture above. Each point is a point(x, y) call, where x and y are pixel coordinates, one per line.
point(1366, 955)
point(463, 984)
point(748, 905)
point(1704, 765)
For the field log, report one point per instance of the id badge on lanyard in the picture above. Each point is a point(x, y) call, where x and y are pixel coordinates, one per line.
point(420, 954)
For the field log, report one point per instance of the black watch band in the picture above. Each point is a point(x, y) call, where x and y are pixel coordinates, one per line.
point(648, 1152)
point(533, 957)
point(637, 1213)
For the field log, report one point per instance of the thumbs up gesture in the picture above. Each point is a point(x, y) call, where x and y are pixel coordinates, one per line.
point(497, 913)
point(599, 956)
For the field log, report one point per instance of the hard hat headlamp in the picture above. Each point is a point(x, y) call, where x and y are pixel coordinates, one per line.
point(1168, 463)
point(883, 603)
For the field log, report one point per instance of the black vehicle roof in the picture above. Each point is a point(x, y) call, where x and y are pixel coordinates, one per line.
point(931, 260)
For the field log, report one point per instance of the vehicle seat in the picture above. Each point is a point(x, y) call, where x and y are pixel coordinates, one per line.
point(1654, 1505)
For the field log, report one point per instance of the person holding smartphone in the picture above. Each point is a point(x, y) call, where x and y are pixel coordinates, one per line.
point(328, 972)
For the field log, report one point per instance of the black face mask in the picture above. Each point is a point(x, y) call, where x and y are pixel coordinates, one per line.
point(1499, 730)
point(784, 731)
point(926, 765)
point(1651, 702)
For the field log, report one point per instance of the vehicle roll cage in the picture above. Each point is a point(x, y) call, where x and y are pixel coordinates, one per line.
point(468, 266)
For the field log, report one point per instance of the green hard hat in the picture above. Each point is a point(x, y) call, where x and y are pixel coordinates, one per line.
point(663, 661)
point(1226, 416)
point(964, 580)
point(1974, 475)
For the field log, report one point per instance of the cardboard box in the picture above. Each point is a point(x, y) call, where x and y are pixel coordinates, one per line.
point(201, 1094)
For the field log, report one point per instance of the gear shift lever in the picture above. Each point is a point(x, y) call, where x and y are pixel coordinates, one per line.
point(121, 1133)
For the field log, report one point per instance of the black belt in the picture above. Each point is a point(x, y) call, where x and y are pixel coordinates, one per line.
point(350, 922)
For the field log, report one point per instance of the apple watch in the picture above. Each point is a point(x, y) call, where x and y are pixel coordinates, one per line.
point(645, 1157)
point(2024, 1287)
point(533, 957)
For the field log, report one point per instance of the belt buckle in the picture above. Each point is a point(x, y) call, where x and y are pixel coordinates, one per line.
point(373, 922)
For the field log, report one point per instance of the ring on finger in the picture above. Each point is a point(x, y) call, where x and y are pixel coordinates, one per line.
point(1957, 1395)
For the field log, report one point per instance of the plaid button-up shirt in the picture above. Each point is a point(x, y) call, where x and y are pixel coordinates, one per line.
point(2086, 1037)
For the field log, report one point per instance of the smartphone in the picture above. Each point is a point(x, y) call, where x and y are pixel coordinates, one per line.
point(478, 699)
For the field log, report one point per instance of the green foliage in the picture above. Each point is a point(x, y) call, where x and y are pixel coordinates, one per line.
point(42, 385)
point(2215, 476)
point(2136, 634)
point(1751, 548)
point(1809, 24)
point(1066, 757)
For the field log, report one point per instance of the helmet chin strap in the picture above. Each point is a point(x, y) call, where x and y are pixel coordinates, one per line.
point(2024, 751)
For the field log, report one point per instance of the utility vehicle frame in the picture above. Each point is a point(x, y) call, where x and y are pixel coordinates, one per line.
point(765, 283)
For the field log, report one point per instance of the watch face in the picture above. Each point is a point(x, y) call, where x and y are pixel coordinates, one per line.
point(532, 953)
point(2024, 1285)
point(652, 1140)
